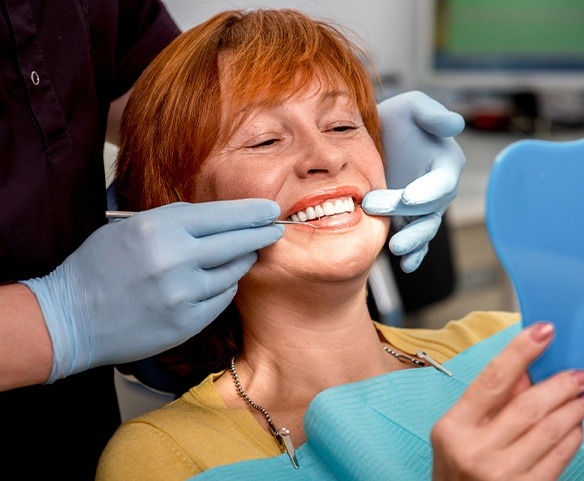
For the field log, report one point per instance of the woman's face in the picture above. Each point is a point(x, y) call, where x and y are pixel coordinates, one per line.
point(313, 156)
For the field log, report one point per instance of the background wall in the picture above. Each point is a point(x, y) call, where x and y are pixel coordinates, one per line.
point(386, 26)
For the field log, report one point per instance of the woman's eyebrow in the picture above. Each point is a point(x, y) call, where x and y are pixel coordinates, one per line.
point(327, 96)
point(333, 95)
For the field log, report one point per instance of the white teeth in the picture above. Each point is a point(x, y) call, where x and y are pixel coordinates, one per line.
point(329, 207)
point(350, 205)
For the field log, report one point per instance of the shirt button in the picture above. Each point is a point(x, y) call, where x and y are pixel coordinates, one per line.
point(34, 77)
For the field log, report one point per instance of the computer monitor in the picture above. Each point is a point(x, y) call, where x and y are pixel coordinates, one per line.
point(501, 45)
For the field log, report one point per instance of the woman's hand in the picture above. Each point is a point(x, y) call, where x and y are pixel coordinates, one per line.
point(504, 428)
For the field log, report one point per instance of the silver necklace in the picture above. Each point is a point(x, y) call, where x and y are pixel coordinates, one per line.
point(282, 435)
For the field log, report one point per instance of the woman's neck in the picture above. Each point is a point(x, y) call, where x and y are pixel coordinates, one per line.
point(295, 335)
point(295, 348)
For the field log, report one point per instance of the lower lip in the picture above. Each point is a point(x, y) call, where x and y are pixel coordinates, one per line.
point(336, 222)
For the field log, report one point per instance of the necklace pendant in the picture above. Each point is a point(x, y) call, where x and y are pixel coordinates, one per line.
point(433, 362)
point(283, 438)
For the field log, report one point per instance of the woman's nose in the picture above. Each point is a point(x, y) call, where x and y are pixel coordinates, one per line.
point(318, 155)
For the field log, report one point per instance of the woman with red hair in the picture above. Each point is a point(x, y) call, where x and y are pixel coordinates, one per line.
point(274, 104)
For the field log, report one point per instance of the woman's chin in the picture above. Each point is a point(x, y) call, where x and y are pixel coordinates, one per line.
point(332, 264)
point(331, 256)
point(343, 268)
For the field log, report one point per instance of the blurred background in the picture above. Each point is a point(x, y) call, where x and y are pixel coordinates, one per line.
point(513, 68)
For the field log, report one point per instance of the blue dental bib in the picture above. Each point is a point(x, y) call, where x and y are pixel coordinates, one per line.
point(378, 428)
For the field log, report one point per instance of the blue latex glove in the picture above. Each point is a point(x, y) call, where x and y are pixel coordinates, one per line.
point(140, 286)
point(424, 164)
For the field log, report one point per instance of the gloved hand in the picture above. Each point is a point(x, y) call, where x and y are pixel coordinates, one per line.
point(424, 164)
point(142, 285)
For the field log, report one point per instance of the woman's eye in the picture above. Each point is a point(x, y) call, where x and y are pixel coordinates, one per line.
point(264, 143)
point(343, 128)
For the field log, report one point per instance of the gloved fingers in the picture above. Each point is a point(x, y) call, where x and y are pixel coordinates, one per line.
point(441, 180)
point(428, 114)
point(415, 234)
point(187, 322)
point(444, 124)
point(434, 118)
point(187, 290)
point(208, 310)
point(435, 189)
point(221, 278)
point(218, 249)
point(410, 262)
point(390, 202)
point(382, 202)
point(209, 218)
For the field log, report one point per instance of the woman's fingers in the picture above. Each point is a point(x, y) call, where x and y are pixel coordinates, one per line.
point(553, 463)
point(497, 383)
point(547, 436)
point(548, 410)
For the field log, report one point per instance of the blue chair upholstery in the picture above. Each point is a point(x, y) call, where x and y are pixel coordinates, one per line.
point(536, 226)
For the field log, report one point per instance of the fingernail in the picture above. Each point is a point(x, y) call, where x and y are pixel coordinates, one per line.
point(542, 331)
point(579, 377)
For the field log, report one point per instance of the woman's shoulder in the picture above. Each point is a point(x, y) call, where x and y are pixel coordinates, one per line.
point(164, 435)
point(476, 326)
point(454, 337)
point(192, 434)
point(195, 404)
point(146, 444)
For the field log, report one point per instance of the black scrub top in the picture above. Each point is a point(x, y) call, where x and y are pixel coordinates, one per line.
point(61, 64)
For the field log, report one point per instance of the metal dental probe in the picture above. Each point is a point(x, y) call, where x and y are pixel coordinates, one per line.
point(124, 214)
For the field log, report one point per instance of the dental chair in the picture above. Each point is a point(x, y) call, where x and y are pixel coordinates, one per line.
point(535, 198)
point(136, 397)
point(394, 294)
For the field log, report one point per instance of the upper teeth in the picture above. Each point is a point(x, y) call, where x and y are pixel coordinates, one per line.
point(329, 207)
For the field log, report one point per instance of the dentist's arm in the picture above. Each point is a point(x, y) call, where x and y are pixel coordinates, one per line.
point(25, 345)
point(424, 164)
point(133, 289)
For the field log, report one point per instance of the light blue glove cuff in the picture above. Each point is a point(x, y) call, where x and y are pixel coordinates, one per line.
point(68, 357)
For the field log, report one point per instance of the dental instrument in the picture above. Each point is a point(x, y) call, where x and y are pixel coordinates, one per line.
point(124, 214)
